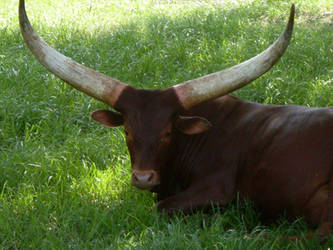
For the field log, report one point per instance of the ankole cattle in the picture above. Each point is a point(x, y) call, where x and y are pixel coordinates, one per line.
point(193, 144)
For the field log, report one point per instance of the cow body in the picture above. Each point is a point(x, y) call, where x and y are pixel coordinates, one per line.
point(280, 157)
point(193, 144)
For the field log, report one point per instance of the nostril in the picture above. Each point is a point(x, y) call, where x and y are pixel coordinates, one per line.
point(144, 177)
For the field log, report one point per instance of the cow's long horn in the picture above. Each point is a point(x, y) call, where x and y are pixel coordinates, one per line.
point(91, 82)
point(223, 82)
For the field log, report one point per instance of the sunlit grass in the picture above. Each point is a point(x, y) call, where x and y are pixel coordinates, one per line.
point(64, 180)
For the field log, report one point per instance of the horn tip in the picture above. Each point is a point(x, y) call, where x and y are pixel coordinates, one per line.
point(292, 14)
point(22, 14)
point(290, 24)
point(21, 5)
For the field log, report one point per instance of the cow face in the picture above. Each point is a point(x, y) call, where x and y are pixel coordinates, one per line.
point(150, 119)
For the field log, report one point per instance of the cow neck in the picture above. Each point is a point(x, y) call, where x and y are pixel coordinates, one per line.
point(187, 157)
point(188, 153)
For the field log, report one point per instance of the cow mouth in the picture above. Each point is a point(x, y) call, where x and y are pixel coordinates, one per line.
point(155, 189)
point(151, 188)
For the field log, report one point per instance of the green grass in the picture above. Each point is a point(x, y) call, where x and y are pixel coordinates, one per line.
point(64, 179)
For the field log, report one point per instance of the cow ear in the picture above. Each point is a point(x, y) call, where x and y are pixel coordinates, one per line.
point(192, 124)
point(108, 118)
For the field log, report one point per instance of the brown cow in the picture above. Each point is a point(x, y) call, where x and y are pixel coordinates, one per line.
point(193, 144)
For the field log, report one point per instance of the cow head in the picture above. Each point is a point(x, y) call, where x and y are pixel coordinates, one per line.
point(151, 117)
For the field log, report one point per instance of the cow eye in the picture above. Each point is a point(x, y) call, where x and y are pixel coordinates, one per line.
point(166, 136)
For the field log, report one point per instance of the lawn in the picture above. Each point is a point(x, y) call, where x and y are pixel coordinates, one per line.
point(64, 179)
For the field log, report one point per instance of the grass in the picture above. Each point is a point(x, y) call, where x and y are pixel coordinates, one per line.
point(64, 179)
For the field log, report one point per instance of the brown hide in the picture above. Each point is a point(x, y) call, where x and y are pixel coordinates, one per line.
point(281, 157)
point(278, 156)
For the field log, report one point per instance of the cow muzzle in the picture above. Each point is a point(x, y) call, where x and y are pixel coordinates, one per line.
point(146, 179)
